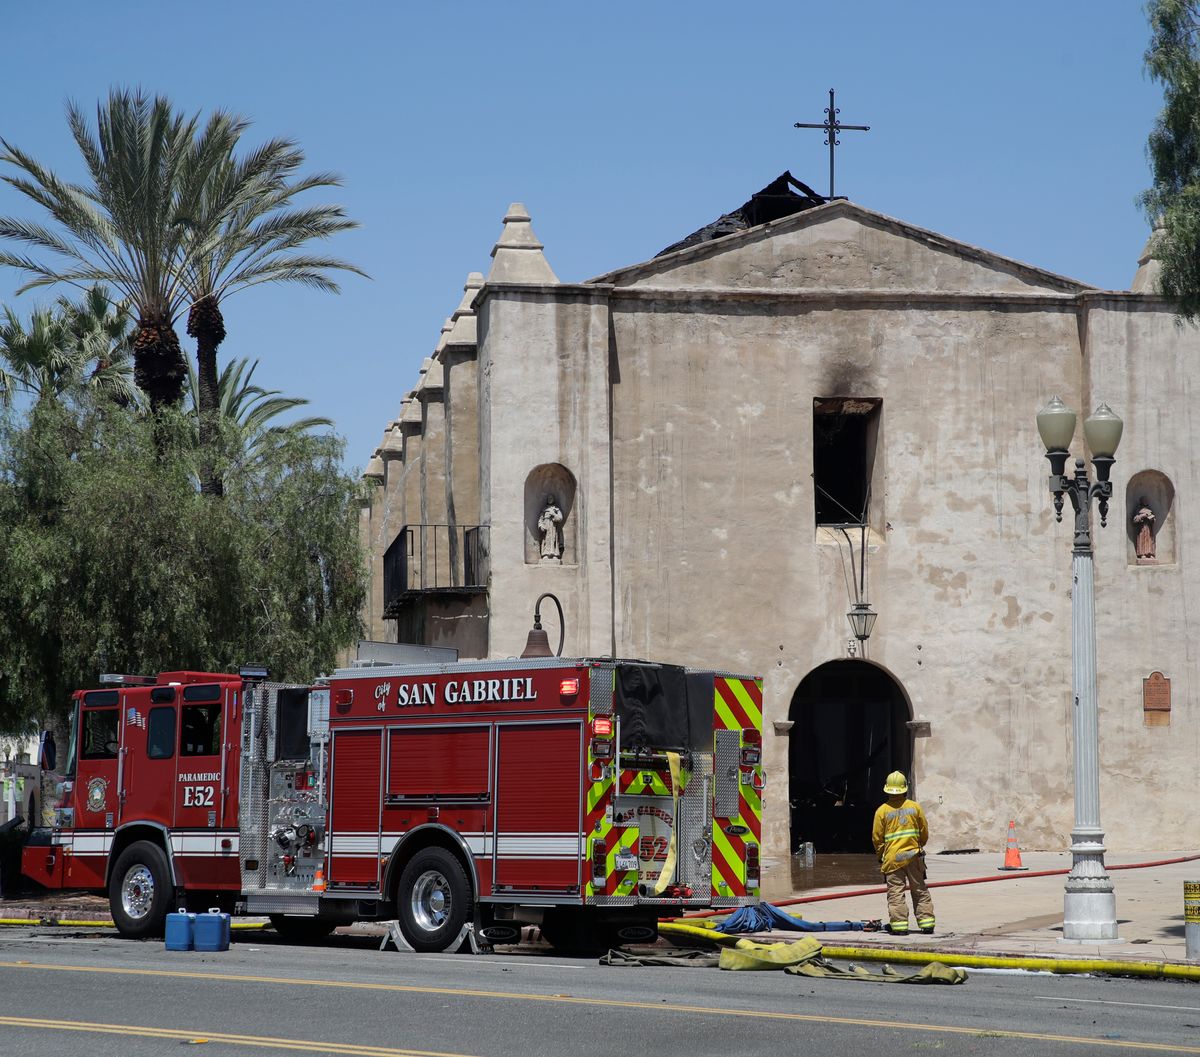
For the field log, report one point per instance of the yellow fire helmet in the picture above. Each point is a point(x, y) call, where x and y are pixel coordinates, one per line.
point(896, 784)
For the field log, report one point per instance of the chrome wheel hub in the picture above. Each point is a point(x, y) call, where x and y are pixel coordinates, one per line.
point(137, 891)
point(431, 903)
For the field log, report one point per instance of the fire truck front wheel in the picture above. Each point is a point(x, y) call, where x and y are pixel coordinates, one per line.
point(139, 890)
point(433, 900)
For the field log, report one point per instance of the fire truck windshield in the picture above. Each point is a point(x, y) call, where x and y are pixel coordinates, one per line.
point(72, 742)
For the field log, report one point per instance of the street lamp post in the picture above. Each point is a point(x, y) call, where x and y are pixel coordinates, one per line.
point(1089, 904)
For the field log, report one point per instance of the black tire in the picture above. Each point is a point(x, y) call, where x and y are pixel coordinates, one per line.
point(293, 929)
point(139, 890)
point(433, 900)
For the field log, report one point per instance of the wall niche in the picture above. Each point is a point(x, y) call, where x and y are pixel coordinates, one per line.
point(1150, 519)
point(551, 520)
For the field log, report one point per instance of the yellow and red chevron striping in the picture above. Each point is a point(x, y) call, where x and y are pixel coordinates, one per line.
point(634, 782)
point(616, 838)
point(751, 808)
point(738, 704)
point(728, 859)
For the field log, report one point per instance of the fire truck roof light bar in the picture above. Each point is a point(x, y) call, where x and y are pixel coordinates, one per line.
point(254, 671)
point(116, 679)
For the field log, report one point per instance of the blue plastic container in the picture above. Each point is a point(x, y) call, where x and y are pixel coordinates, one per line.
point(212, 931)
point(181, 934)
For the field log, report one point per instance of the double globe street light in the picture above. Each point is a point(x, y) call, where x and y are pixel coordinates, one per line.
point(1089, 904)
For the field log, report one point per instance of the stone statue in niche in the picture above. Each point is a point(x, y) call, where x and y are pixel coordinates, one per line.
point(550, 528)
point(1144, 520)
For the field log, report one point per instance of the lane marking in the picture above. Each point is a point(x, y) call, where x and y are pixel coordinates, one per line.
point(262, 1041)
point(1113, 1002)
point(482, 963)
point(666, 1007)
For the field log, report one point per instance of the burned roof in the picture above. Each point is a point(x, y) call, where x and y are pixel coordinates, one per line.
point(774, 201)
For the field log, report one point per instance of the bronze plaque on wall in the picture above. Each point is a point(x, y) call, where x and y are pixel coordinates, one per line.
point(1156, 693)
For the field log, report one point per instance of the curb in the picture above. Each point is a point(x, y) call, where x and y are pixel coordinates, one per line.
point(99, 923)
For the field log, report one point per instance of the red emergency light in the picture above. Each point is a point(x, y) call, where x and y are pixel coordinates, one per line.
point(568, 687)
point(751, 747)
point(599, 860)
point(753, 872)
point(602, 727)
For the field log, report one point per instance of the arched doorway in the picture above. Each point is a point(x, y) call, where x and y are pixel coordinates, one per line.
point(849, 729)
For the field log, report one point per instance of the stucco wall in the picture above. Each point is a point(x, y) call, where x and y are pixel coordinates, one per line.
point(713, 463)
point(860, 251)
point(544, 399)
point(461, 397)
point(1146, 367)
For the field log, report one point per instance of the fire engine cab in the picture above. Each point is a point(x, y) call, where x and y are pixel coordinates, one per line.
point(591, 796)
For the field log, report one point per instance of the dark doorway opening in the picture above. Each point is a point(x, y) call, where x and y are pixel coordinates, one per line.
point(849, 730)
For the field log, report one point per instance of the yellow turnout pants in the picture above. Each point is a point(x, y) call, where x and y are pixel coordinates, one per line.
point(912, 874)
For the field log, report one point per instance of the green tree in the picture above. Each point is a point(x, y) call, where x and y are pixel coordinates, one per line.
point(1173, 202)
point(247, 232)
point(110, 559)
point(131, 225)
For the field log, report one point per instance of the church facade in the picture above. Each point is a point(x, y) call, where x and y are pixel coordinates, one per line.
point(712, 456)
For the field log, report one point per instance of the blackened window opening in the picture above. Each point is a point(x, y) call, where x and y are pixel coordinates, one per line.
point(844, 436)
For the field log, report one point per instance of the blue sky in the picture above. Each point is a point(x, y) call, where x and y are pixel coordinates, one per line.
point(1019, 127)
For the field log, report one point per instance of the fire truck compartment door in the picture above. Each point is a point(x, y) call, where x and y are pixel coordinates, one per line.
point(149, 738)
point(357, 804)
point(539, 805)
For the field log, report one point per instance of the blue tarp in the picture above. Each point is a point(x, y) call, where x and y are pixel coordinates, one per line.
point(763, 917)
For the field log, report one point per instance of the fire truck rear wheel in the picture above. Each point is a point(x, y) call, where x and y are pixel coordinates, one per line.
point(139, 890)
point(433, 900)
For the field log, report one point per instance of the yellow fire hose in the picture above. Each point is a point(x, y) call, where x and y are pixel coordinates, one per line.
point(1030, 964)
point(668, 870)
point(706, 933)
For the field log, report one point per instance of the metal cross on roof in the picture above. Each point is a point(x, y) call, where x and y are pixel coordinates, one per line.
point(832, 127)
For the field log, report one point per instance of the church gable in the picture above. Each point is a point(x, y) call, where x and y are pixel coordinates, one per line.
point(841, 246)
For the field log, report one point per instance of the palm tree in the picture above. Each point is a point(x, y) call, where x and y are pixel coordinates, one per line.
point(247, 232)
point(246, 413)
point(130, 226)
point(71, 346)
point(102, 338)
point(37, 356)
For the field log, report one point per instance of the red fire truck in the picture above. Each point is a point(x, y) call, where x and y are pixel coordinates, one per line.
point(591, 796)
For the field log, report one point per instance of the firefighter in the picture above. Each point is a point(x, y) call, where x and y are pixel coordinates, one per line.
point(899, 835)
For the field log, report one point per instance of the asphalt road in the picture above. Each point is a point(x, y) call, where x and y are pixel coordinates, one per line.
point(64, 992)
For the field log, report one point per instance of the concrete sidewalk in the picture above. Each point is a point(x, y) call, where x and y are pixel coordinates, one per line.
point(1020, 915)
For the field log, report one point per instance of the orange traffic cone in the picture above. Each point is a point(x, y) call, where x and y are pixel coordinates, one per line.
point(1012, 854)
point(318, 884)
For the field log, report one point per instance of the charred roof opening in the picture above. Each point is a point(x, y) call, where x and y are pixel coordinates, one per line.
point(773, 202)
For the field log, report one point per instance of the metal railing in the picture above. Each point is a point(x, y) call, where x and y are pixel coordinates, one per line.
point(435, 558)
